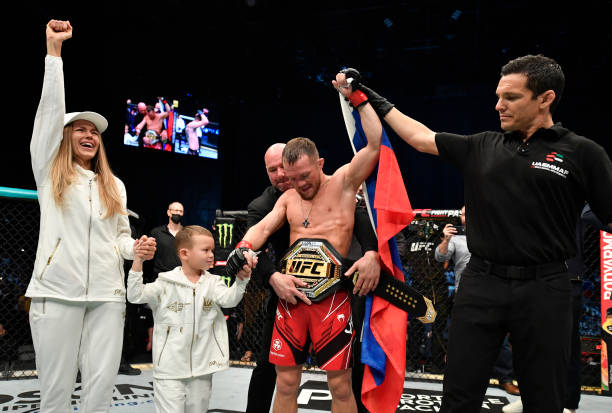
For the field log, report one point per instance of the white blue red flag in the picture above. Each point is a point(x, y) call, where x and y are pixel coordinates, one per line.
point(383, 345)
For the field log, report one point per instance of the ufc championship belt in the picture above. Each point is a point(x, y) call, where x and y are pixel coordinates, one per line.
point(152, 136)
point(322, 268)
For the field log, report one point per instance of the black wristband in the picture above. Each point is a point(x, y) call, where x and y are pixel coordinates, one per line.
point(381, 105)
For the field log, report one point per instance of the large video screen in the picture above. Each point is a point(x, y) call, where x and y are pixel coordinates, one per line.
point(172, 125)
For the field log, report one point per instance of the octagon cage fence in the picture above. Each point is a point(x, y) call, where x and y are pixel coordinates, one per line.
point(425, 344)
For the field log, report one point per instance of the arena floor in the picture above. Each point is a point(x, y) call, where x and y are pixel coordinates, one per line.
point(135, 394)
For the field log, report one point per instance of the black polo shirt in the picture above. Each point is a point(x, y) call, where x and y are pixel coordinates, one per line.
point(523, 199)
point(165, 258)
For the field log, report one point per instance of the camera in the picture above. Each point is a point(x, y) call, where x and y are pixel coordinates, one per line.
point(460, 229)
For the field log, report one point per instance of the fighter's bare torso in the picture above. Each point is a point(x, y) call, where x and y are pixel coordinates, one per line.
point(155, 123)
point(329, 214)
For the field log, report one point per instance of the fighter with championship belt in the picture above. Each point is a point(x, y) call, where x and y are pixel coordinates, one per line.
point(322, 268)
point(319, 207)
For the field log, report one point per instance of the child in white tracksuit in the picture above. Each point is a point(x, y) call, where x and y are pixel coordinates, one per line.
point(190, 340)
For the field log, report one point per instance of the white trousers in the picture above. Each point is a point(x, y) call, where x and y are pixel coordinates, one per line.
point(69, 336)
point(182, 395)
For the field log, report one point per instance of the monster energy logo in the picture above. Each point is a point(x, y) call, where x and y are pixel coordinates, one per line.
point(227, 280)
point(225, 234)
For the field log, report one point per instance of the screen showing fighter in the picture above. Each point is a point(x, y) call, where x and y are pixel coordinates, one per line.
point(182, 126)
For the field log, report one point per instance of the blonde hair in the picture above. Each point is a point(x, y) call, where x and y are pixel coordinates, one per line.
point(184, 238)
point(63, 174)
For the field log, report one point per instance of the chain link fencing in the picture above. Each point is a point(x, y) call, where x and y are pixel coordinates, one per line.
point(19, 221)
point(425, 344)
point(244, 322)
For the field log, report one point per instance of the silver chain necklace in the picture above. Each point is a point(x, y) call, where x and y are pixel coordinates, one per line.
point(305, 222)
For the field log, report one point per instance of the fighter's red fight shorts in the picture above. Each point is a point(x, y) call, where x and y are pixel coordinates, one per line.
point(326, 325)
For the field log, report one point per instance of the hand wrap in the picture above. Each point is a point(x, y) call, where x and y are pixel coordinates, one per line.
point(236, 259)
point(381, 105)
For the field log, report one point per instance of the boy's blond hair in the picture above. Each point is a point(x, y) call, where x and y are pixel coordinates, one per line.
point(183, 238)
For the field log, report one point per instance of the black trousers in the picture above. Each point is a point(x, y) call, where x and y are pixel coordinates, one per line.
point(263, 378)
point(536, 312)
point(573, 375)
point(502, 370)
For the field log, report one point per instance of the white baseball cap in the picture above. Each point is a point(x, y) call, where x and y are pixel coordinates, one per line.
point(95, 118)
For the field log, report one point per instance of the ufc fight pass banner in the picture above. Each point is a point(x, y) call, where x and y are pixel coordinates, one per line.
point(606, 309)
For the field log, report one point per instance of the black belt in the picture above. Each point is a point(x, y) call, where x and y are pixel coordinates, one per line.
point(514, 272)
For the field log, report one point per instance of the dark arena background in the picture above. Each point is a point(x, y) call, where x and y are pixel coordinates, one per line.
point(263, 71)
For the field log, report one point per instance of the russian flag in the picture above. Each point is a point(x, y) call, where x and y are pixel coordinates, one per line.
point(383, 346)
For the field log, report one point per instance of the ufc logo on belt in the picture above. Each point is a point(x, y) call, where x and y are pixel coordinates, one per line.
point(305, 267)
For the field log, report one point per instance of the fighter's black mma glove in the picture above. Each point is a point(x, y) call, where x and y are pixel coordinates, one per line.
point(236, 260)
point(362, 94)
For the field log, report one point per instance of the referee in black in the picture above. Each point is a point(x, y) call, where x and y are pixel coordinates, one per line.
point(524, 191)
point(263, 378)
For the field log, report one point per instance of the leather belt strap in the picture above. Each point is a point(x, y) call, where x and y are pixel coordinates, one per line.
point(318, 264)
point(514, 272)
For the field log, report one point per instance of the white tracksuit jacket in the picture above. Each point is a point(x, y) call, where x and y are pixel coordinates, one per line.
point(190, 332)
point(80, 253)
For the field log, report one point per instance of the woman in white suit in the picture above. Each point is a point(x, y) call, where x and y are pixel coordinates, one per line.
point(77, 287)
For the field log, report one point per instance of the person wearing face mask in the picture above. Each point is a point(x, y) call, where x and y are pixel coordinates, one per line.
point(165, 257)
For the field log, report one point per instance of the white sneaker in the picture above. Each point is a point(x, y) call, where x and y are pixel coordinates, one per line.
point(514, 407)
point(568, 411)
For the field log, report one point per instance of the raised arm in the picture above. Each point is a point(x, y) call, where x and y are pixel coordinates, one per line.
point(49, 120)
point(137, 291)
point(364, 161)
point(445, 250)
point(414, 133)
point(57, 32)
point(198, 123)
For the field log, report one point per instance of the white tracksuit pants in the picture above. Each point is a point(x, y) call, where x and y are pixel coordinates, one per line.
point(69, 336)
point(182, 395)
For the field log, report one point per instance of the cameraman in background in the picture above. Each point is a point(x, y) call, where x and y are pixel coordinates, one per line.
point(454, 247)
